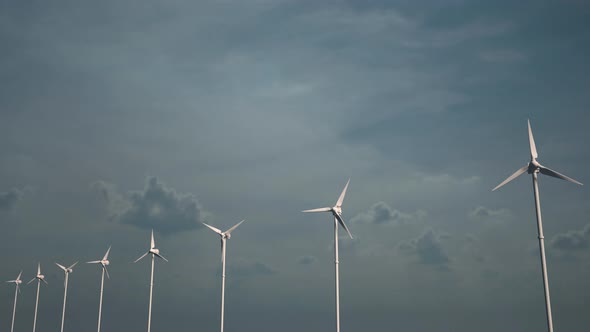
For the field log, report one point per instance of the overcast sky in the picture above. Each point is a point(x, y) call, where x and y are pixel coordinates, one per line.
point(117, 117)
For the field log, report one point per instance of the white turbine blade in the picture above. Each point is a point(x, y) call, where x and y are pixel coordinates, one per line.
point(513, 176)
point(107, 271)
point(18, 278)
point(341, 198)
point(341, 222)
point(31, 281)
point(45, 282)
point(233, 227)
point(93, 262)
point(216, 230)
point(534, 154)
point(106, 256)
point(61, 266)
point(10, 281)
point(142, 256)
point(38, 268)
point(18, 288)
point(153, 243)
point(324, 209)
point(72, 266)
point(550, 172)
point(222, 244)
point(162, 257)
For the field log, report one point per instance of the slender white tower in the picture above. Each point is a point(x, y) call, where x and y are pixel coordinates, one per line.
point(17, 282)
point(224, 237)
point(67, 271)
point(336, 211)
point(103, 262)
point(154, 252)
point(534, 168)
point(39, 277)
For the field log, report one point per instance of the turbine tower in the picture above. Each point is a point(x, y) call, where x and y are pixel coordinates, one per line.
point(336, 211)
point(67, 271)
point(224, 237)
point(17, 283)
point(534, 168)
point(39, 278)
point(154, 252)
point(103, 262)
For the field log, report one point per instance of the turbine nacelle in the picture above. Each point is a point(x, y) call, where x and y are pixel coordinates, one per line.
point(105, 262)
point(226, 236)
point(155, 251)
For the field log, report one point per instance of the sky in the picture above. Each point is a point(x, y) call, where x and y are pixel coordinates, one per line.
point(118, 117)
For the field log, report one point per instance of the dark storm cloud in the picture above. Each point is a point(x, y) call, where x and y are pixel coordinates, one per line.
point(382, 213)
point(8, 199)
point(428, 248)
point(306, 260)
point(155, 207)
point(572, 241)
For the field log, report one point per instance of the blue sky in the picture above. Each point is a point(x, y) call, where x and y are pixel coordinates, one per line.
point(121, 116)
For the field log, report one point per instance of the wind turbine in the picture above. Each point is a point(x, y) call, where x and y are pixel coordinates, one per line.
point(103, 262)
point(534, 168)
point(17, 283)
point(224, 237)
point(337, 213)
point(67, 271)
point(39, 278)
point(154, 252)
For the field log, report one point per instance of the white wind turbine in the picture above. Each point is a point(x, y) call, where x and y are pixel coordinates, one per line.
point(39, 278)
point(17, 283)
point(337, 213)
point(67, 271)
point(103, 262)
point(154, 252)
point(534, 168)
point(224, 237)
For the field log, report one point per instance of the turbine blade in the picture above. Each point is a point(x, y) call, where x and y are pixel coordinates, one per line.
point(550, 172)
point(107, 271)
point(341, 222)
point(534, 154)
point(153, 243)
point(233, 227)
point(18, 288)
point(142, 256)
point(341, 198)
point(513, 176)
point(46, 282)
point(93, 262)
point(38, 268)
point(106, 256)
point(31, 281)
point(324, 209)
point(72, 266)
point(10, 281)
point(216, 230)
point(18, 278)
point(61, 266)
point(222, 244)
point(162, 257)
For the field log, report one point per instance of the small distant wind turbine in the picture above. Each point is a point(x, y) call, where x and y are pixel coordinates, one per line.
point(337, 213)
point(534, 168)
point(67, 271)
point(224, 237)
point(39, 278)
point(154, 252)
point(103, 262)
point(17, 283)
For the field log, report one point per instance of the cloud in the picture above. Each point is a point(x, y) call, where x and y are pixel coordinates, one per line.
point(9, 199)
point(572, 241)
point(381, 213)
point(482, 212)
point(428, 248)
point(306, 260)
point(155, 207)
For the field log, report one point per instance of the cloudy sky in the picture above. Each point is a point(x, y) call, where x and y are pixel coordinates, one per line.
point(117, 117)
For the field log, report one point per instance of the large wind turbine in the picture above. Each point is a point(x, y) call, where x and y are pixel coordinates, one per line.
point(67, 271)
point(224, 237)
point(534, 168)
point(337, 213)
point(103, 262)
point(17, 283)
point(39, 278)
point(154, 252)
